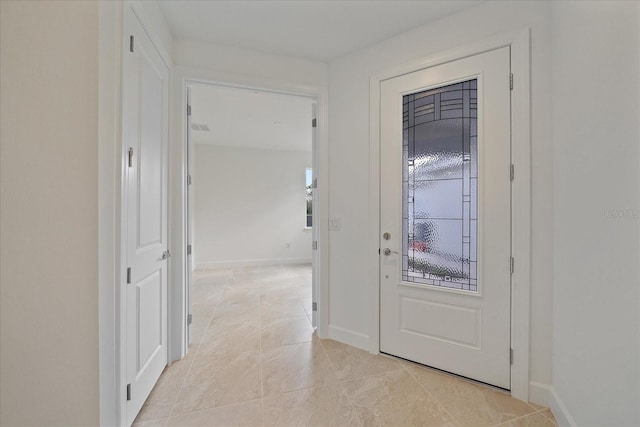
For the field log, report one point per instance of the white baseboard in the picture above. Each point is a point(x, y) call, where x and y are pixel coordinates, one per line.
point(546, 395)
point(560, 410)
point(349, 337)
point(250, 263)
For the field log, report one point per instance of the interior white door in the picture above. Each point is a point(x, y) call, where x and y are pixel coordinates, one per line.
point(445, 291)
point(145, 137)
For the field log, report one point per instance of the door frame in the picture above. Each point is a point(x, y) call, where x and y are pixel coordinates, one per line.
point(519, 42)
point(181, 77)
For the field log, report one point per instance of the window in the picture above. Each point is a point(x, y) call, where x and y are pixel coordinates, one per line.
point(309, 195)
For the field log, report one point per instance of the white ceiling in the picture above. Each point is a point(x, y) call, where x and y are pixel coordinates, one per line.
point(315, 30)
point(250, 119)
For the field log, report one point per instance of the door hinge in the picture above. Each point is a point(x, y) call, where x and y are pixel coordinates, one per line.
point(314, 245)
point(512, 262)
point(314, 306)
point(511, 356)
point(128, 391)
point(315, 183)
point(512, 173)
point(188, 109)
point(188, 249)
point(189, 179)
point(130, 43)
point(314, 123)
point(510, 81)
point(128, 275)
point(130, 154)
point(189, 319)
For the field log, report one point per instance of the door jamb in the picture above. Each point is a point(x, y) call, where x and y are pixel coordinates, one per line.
point(182, 76)
point(519, 42)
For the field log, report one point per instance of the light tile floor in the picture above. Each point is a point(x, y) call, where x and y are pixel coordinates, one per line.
point(255, 361)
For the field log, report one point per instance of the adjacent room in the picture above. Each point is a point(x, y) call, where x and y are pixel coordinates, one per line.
point(252, 152)
point(251, 210)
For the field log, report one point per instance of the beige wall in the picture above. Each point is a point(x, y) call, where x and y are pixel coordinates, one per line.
point(48, 196)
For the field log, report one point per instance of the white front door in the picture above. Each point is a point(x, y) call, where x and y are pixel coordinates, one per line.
point(445, 238)
point(145, 131)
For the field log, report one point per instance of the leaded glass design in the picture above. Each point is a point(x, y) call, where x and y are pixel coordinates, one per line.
point(440, 186)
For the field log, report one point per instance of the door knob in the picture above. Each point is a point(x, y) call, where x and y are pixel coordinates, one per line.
point(166, 254)
point(388, 251)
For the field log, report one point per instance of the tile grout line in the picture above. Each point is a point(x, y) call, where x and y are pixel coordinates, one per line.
point(540, 411)
point(213, 408)
point(195, 355)
point(341, 382)
point(304, 310)
point(359, 377)
point(504, 423)
point(446, 411)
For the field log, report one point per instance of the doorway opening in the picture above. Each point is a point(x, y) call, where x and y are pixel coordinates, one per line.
point(252, 158)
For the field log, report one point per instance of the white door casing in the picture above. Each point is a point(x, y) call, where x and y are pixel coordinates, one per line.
point(189, 217)
point(464, 332)
point(145, 142)
point(315, 229)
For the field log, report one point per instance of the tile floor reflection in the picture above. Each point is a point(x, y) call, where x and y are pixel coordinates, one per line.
point(254, 361)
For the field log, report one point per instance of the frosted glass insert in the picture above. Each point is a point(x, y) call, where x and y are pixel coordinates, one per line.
point(440, 194)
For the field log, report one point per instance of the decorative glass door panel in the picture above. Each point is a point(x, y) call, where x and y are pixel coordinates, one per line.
point(440, 186)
